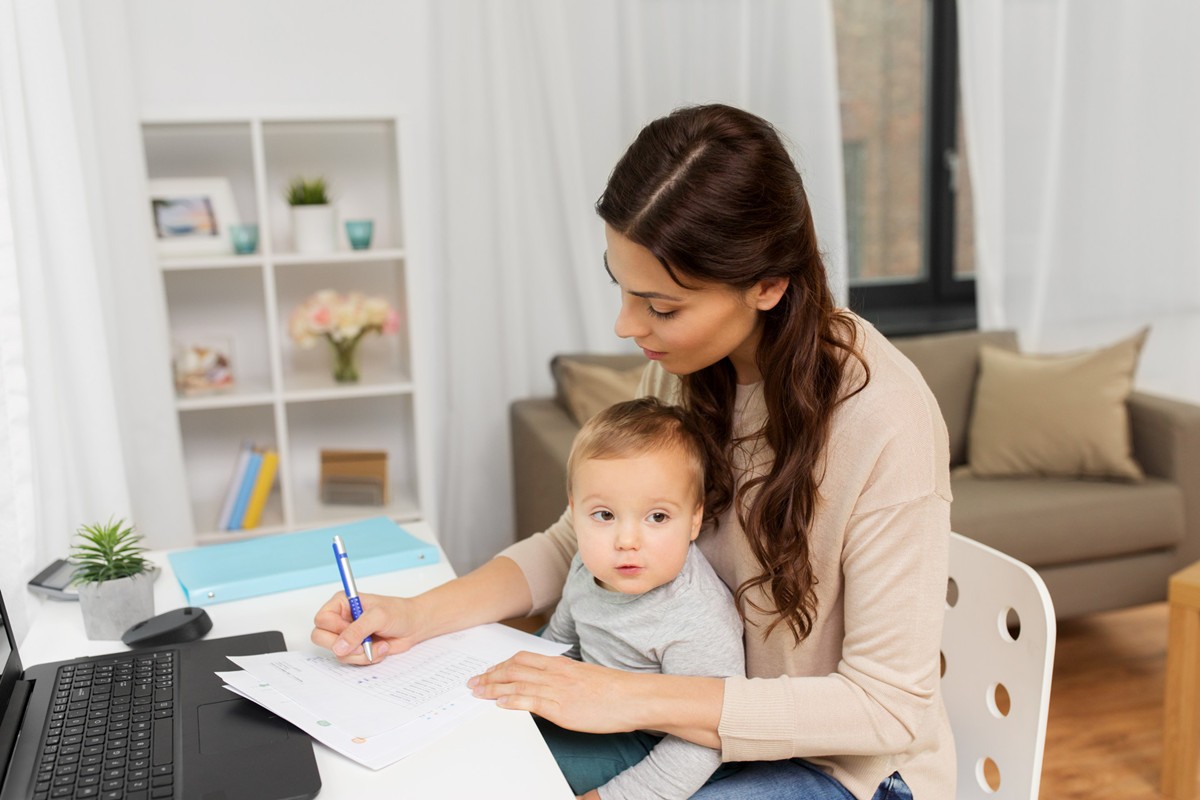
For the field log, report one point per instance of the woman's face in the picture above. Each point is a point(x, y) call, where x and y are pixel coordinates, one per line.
point(686, 330)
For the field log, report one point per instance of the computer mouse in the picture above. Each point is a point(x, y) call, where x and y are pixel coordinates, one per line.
point(172, 627)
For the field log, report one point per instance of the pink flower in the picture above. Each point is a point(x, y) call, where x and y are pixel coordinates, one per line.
point(392, 323)
point(320, 318)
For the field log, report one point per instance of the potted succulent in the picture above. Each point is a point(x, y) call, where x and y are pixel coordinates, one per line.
point(312, 215)
point(116, 582)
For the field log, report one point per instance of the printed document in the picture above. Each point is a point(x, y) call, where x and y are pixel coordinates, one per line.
point(382, 712)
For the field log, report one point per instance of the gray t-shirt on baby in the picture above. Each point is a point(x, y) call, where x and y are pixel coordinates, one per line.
point(689, 626)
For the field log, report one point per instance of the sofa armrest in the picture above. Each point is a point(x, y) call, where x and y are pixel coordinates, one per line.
point(1166, 442)
point(1166, 437)
point(542, 434)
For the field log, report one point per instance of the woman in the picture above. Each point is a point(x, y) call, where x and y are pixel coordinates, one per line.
point(833, 523)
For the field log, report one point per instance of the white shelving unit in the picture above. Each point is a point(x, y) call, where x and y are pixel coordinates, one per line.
point(285, 396)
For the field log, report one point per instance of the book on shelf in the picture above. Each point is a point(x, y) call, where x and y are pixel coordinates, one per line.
point(249, 487)
point(244, 490)
point(235, 484)
point(262, 489)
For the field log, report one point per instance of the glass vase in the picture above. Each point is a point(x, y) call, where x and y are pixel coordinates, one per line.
point(345, 365)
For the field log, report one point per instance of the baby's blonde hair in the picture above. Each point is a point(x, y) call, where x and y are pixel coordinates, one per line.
point(636, 427)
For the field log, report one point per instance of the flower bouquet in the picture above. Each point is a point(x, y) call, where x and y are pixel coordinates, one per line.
point(342, 320)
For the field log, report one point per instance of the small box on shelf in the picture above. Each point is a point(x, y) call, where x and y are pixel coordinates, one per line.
point(354, 477)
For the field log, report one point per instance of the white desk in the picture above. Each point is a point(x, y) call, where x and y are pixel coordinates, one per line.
point(499, 754)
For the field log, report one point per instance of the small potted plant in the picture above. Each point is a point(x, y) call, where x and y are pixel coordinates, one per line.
point(116, 582)
point(312, 215)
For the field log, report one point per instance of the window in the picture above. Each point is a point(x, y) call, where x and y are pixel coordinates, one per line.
point(910, 244)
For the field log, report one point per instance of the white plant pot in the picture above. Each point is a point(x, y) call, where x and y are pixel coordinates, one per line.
point(112, 607)
point(313, 229)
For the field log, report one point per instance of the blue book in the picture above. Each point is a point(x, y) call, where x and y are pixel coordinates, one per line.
point(245, 490)
point(268, 564)
point(235, 484)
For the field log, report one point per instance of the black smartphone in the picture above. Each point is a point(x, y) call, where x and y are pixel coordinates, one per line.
point(55, 581)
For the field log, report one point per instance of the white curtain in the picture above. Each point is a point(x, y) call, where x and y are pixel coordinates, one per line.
point(59, 443)
point(16, 458)
point(1083, 140)
point(535, 100)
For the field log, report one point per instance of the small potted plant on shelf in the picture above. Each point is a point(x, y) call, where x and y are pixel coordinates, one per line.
point(312, 215)
point(116, 582)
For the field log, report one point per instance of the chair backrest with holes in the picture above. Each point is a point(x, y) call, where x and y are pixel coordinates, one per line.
point(997, 658)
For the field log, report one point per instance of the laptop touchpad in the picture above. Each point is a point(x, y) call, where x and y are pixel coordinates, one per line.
point(238, 725)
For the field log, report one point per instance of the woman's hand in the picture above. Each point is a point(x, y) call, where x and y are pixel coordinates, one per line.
point(592, 795)
point(593, 699)
point(571, 694)
point(389, 621)
point(495, 591)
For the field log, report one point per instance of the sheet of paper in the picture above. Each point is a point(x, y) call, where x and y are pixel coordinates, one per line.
point(416, 687)
point(374, 752)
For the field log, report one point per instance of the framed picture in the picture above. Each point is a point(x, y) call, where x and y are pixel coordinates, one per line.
point(203, 365)
point(192, 216)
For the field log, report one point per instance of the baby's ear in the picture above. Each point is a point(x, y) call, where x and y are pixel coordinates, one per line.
point(697, 521)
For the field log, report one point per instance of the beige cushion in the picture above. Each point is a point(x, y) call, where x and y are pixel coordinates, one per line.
point(949, 363)
point(588, 388)
point(1048, 521)
point(1061, 415)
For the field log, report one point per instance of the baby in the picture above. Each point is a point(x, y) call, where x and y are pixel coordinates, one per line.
point(639, 595)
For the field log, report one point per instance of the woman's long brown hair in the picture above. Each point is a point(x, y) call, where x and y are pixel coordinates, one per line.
point(712, 192)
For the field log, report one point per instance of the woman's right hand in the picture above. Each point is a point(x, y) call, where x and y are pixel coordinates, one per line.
point(389, 621)
point(495, 591)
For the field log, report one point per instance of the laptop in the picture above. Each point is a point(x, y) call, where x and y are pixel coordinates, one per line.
point(146, 724)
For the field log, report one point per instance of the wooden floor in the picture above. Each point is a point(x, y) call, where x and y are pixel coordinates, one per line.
point(1104, 738)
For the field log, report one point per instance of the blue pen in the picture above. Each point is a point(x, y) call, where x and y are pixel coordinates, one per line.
point(343, 562)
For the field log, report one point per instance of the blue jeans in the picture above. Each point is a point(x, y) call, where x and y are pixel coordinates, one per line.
point(590, 760)
point(792, 780)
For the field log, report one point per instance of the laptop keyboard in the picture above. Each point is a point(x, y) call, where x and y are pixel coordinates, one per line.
point(111, 730)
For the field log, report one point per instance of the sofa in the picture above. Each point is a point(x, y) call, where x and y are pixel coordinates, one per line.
point(1098, 544)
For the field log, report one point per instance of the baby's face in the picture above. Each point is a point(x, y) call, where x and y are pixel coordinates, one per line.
point(634, 518)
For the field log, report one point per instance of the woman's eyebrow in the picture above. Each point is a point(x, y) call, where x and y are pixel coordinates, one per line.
point(643, 295)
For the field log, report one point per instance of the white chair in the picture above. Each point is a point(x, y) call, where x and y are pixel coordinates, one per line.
point(997, 658)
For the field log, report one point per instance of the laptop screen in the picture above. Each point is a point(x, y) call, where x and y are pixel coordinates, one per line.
point(8, 656)
point(9, 722)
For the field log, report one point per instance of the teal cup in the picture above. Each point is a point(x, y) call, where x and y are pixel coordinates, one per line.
point(245, 238)
point(358, 232)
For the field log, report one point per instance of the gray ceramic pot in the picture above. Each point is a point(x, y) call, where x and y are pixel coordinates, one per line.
point(112, 607)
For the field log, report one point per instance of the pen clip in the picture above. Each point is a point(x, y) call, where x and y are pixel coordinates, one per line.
point(343, 565)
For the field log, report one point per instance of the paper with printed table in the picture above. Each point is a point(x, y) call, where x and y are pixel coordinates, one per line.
point(382, 712)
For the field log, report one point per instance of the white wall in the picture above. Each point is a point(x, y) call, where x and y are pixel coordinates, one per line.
point(250, 56)
point(145, 58)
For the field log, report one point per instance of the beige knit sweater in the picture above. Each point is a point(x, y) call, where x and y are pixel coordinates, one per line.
point(860, 697)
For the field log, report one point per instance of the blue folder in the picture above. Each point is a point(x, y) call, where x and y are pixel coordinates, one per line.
point(268, 564)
